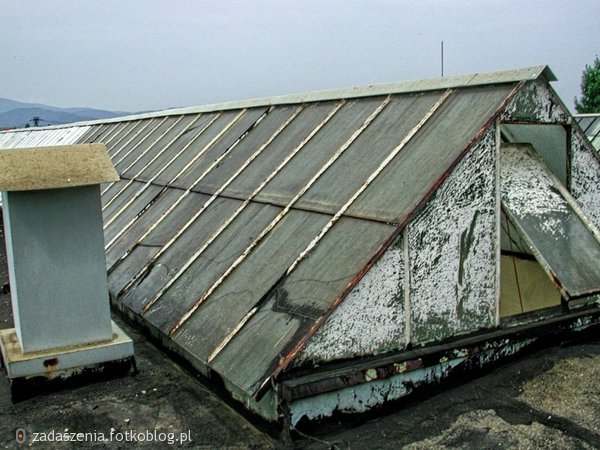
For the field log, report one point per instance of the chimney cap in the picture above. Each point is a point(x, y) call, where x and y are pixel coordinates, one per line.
point(54, 167)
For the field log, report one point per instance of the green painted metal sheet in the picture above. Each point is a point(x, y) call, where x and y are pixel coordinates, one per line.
point(205, 270)
point(418, 168)
point(233, 299)
point(163, 145)
point(242, 126)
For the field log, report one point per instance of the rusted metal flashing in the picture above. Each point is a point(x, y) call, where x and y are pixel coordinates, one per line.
point(312, 381)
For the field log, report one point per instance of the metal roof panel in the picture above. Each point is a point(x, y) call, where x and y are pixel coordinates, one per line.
point(419, 167)
point(230, 303)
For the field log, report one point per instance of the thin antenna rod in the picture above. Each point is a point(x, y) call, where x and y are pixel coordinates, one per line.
point(442, 58)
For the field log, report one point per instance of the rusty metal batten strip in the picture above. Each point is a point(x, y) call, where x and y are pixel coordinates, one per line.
point(280, 216)
point(165, 167)
point(381, 167)
point(122, 134)
point(111, 133)
point(113, 156)
point(130, 151)
point(208, 203)
point(140, 156)
point(186, 192)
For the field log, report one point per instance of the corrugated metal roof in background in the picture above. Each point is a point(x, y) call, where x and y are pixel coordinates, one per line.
point(236, 226)
point(42, 137)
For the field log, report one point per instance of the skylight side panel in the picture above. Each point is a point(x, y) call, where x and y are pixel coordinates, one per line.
point(563, 241)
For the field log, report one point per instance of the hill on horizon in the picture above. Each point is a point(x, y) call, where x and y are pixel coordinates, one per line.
point(15, 114)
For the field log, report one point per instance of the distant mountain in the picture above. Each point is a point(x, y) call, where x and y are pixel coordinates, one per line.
point(14, 114)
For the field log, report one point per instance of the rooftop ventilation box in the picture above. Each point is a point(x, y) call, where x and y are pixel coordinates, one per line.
point(55, 251)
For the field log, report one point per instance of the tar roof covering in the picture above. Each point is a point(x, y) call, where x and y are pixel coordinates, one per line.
point(237, 229)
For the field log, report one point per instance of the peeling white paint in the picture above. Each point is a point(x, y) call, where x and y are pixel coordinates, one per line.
point(452, 250)
point(585, 177)
point(528, 190)
point(363, 397)
point(371, 318)
point(535, 103)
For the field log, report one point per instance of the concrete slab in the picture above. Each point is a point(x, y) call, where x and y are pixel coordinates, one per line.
point(61, 362)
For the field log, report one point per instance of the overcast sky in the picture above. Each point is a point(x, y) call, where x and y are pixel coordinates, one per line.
point(154, 54)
